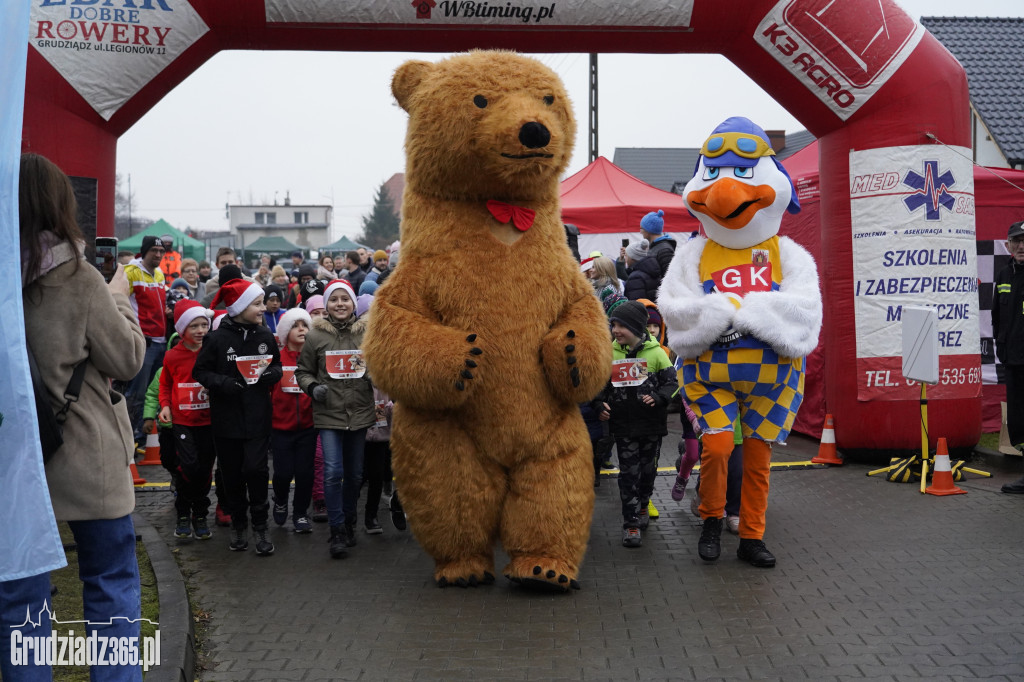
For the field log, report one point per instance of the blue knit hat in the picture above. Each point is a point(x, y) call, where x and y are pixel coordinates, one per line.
point(653, 222)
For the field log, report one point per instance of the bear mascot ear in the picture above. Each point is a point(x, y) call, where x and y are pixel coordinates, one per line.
point(407, 78)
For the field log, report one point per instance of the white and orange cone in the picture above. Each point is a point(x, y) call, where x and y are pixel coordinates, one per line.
point(152, 455)
point(942, 475)
point(136, 479)
point(827, 449)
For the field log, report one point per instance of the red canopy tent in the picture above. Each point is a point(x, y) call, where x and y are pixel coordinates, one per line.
point(999, 201)
point(606, 203)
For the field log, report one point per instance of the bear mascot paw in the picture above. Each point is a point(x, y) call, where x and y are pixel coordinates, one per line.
point(486, 335)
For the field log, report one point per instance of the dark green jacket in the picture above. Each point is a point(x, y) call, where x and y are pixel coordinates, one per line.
point(349, 404)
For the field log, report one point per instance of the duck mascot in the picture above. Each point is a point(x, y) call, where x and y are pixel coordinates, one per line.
point(742, 308)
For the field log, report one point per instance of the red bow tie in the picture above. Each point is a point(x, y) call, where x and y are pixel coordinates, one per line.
point(521, 217)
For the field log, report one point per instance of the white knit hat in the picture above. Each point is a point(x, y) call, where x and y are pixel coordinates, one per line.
point(288, 320)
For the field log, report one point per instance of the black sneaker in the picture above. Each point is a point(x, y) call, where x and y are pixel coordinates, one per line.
point(755, 553)
point(201, 528)
point(709, 546)
point(184, 528)
point(397, 513)
point(350, 534)
point(239, 543)
point(264, 547)
point(631, 537)
point(280, 513)
point(372, 527)
point(337, 541)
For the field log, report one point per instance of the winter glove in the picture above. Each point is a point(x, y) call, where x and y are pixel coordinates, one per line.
point(319, 393)
point(233, 387)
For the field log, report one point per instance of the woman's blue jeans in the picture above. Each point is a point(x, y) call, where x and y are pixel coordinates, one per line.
point(109, 572)
point(343, 473)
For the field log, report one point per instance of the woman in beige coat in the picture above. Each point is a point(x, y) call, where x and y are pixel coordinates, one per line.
point(73, 316)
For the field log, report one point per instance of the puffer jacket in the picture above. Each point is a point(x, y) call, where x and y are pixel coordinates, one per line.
point(349, 405)
point(246, 415)
point(630, 416)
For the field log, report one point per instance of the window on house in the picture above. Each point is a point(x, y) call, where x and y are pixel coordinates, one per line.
point(271, 219)
point(261, 218)
point(301, 217)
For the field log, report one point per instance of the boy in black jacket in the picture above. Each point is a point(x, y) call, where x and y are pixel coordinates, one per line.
point(239, 363)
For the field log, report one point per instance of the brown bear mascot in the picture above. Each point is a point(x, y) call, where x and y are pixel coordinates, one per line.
point(487, 336)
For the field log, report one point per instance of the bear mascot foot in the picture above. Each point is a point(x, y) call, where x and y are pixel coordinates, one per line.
point(464, 573)
point(543, 574)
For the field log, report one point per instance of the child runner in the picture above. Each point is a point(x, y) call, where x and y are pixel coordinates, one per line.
point(186, 404)
point(636, 403)
point(272, 295)
point(293, 440)
point(332, 371)
point(239, 364)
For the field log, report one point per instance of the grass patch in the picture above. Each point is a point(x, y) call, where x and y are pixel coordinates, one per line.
point(989, 440)
point(67, 603)
point(200, 617)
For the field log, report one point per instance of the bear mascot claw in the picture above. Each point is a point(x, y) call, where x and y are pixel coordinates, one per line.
point(742, 308)
point(486, 335)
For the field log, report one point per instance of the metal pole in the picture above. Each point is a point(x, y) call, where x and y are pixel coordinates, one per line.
point(129, 204)
point(593, 108)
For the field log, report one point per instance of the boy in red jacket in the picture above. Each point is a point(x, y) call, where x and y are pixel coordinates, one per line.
point(293, 440)
point(186, 404)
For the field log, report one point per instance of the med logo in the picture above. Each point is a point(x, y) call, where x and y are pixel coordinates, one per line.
point(931, 190)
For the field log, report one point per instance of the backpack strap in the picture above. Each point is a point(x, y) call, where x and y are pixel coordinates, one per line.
point(73, 390)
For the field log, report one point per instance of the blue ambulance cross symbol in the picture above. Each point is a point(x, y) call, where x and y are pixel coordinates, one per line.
point(931, 190)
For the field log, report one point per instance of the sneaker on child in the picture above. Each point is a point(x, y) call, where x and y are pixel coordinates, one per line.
point(201, 529)
point(732, 524)
point(280, 513)
point(372, 527)
point(184, 528)
point(319, 511)
point(303, 525)
point(679, 488)
point(631, 537)
point(239, 543)
point(264, 547)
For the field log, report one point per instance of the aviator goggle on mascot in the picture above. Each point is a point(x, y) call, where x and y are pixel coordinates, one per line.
point(742, 308)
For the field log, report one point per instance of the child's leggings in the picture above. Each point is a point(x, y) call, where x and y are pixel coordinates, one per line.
point(638, 467)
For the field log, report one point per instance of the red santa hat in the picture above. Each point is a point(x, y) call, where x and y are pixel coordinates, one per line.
point(586, 264)
point(185, 312)
point(288, 320)
point(343, 285)
point(237, 295)
point(218, 315)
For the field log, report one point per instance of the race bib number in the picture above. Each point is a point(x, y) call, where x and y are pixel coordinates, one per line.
point(288, 382)
point(252, 366)
point(629, 372)
point(381, 409)
point(195, 395)
point(345, 364)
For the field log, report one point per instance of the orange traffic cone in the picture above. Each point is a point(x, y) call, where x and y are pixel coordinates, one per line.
point(942, 475)
point(827, 450)
point(136, 479)
point(152, 455)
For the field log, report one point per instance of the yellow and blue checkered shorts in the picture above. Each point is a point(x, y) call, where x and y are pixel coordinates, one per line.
point(764, 390)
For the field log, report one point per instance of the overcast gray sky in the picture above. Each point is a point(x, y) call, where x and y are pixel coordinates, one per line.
point(323, 127)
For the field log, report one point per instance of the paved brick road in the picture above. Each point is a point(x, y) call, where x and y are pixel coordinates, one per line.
point(874, 580)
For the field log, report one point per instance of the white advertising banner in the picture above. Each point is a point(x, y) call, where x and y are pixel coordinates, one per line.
point(843, 52)
point(109, 51)
point(912, 214)
point(663, 13)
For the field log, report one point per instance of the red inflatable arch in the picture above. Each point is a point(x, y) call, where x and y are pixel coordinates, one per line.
point(887, 101)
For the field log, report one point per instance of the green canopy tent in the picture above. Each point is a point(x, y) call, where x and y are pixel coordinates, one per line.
point(341, 246)
point(273, 246)
point(188, 247)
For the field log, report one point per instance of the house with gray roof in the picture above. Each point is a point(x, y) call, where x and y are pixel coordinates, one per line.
point(670, 168)
point(991, 51)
